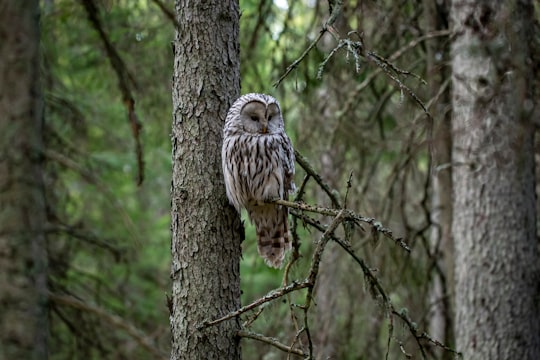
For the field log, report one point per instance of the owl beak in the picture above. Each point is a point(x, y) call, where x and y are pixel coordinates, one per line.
point(264, 129)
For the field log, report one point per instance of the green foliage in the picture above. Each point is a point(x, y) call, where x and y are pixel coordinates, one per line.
point(111, 246)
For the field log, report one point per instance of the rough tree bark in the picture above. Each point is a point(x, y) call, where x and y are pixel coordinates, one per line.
point(494, 227)
point(206, 231)
point(23, 256)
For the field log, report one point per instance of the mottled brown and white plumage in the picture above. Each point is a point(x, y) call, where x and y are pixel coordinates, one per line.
point(258, 165)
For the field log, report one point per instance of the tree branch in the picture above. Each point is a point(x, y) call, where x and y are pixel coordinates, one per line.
point(272, 295)
point(125, 82)
point(168, 13)
point(348, 214)
point(271, 341)
point(304, 163)
point(336, 10)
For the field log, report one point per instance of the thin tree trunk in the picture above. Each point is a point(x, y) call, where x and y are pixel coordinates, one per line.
point(328, 335)
point(494, 227)
point(23, 256)
point(206, 231)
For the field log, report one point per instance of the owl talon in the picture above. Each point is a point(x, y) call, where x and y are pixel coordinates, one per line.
point(272, 199)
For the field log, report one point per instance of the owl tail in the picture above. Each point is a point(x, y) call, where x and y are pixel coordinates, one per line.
point(273, 237)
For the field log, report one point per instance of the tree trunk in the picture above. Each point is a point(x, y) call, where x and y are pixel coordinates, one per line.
point(206, 231)
point(494, 227)
point(23, 256)
point(333, 264)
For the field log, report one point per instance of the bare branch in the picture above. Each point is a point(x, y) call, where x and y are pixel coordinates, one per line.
point(168, 13)
point(272, 295)
point(125, 82)
point(336, 10)
point(386, 66)
point(296, 62)
point(304, 163)
point(413, 329)
point(396, 55)
point(271, 341)
point(321, 244)
point(349, 215)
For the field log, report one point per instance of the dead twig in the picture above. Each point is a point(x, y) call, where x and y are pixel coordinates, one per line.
point(308, 168)
point(271, 341)
point(272, 295)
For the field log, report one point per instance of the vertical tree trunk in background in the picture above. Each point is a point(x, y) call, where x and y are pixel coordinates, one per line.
point(206, 231)
point(23, 257)
point(330, 341)
point(437, 52)
point(494, 228)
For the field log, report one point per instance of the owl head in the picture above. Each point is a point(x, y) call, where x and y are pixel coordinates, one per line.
point(257, 114)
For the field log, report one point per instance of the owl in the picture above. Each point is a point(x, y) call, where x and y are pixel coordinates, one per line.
point(258, 165)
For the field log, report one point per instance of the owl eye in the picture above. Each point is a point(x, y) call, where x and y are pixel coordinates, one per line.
point(270, 117)
point(254, 118)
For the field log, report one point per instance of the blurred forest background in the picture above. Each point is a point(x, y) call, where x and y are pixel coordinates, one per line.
point(108, 183)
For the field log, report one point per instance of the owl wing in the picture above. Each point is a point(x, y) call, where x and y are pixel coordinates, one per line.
point(229, 161)
point(288, 166)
